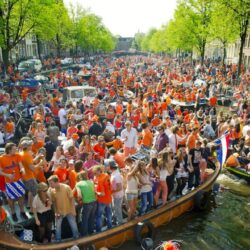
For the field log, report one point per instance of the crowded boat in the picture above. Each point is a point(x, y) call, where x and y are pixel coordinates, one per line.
point(91, 148)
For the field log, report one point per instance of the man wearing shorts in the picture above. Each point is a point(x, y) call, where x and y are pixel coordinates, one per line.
point(29, 179)
point(11, 168)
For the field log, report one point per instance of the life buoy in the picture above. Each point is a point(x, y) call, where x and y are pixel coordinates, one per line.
point(201, 200)
point(139, 229)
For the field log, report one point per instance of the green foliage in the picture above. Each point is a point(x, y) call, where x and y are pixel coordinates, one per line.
point(20, 17)
point(137, 42)
point(93, 35)
point(145, 43)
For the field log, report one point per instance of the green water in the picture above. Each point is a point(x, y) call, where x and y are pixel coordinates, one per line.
point(225, 226)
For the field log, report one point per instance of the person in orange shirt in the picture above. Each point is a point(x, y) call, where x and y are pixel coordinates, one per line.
point(129, 107)
point(116, 143)
point(192, 138)
point(29, 179)
point(36, 145)
point(156, 121)
point(117, 157)
point(163, 106)
point(100, 148)
point(104, 197)
point(213, 101)
point(119, 107)
point(12, 169)
point(62, 171)
point(9, 128)
point(72, 174)
point(41, 165)
point(147, 136)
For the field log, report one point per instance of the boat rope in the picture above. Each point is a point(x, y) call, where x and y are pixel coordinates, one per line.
point(119, 245)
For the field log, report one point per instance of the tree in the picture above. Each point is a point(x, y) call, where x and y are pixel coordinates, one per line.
point(222, 26)
point(145, 44)
point(93, 35)
point(137, 41)
point(195, 16)
point(63, 27)
point(17, 19)
point(241, 15)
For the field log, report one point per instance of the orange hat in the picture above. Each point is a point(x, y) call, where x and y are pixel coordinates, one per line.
point(75, 136)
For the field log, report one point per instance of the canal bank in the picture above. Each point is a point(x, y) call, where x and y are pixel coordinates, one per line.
point(225, 226)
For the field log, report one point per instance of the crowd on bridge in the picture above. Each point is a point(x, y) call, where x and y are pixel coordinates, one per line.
point(113, 155)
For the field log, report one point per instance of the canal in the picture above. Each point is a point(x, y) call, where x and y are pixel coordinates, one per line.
point(225, 226)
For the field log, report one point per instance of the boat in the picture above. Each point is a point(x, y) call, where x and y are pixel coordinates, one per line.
point(117, 235)
point(240, 172)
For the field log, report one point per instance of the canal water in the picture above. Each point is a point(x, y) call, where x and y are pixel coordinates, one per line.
point(225, 226)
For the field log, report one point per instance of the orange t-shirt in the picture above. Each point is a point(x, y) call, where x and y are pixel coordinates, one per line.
point(129, 108)
point(10, 165)
point(213, 101)
point(118, 109)
point(119, 159)
point(164, 106)
point(100, 150)
point(27, 160)
point(9, 127)
point(116, 143)
point(62, 174)
point(102, 184)
point(191, 141)
point(156, 121)
point(72, 178)
point(39, 174)
point(147, 138)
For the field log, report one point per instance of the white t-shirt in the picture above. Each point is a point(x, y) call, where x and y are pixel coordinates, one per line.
point(245, 129)
point(39, 206)
point(131, 136)
point(116, 178)
point(62, 116)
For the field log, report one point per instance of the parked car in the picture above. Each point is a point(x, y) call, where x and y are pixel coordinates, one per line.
point(33, 65)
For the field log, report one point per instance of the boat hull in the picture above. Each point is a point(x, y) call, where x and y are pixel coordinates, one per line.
point(239, 173)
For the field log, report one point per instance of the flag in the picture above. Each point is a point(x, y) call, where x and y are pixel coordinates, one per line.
point(223, 141)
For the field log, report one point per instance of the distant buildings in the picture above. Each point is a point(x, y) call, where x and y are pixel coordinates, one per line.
point(214, 50)
point(124, 43)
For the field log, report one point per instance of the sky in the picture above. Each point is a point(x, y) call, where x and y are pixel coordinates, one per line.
point(126, 17)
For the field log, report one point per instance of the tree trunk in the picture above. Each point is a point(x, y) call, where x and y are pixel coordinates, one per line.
point(243, 35)
point(191, 57)
point(224, 53)
point(203, 52)
point(38, 47)
point(58, 46)
point(6, 62)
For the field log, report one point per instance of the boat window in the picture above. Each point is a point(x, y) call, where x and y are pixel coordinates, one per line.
point(77, 94)
point(90, 92)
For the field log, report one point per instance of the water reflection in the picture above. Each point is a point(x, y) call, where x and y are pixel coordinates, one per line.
point(225, 226)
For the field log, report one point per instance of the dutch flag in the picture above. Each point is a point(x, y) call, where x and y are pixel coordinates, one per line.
point(221, 153)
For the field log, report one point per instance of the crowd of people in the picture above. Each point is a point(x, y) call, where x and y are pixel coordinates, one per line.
point(87, 160)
